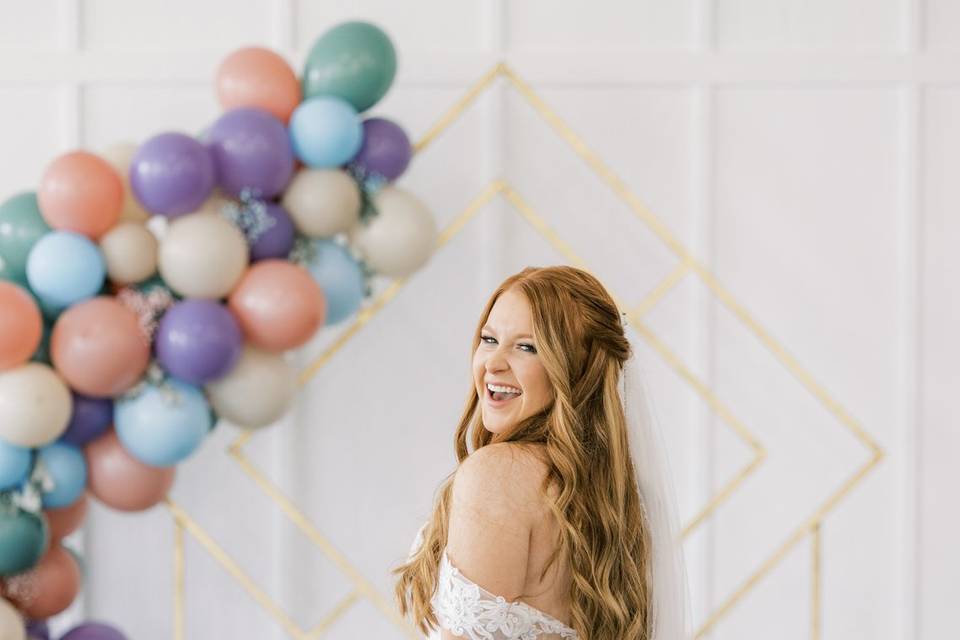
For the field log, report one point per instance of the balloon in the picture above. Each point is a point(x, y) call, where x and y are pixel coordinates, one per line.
point(273, 236)
point(400, 238)
point(12, 624)
point(198, 341)
point(203, 256)
point(278, 305)
point(65, 464)
point(36, 629)
point(354, 60)
point(23, 539)
point(14, 465)
point(89, 418)
point(172, 174)
point(252, 152)
point(93, 631)
point(339, 275)
point(256, 392)
point(99, 348)
point(34, 403)
point(119, 155)
point(121, 481)
point(20, 325)
point(81, 192)
point(21, 225)
point(385, 152)
point(162, 424)
point(323, 202)
point(65, 520)
point(64, 268)
point(325, 132)
point(130, 252)
point(258, 77)
point(48, 588)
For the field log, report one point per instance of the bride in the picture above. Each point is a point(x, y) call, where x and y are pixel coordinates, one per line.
point(560, 520)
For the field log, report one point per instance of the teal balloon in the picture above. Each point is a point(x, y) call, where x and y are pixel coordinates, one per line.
point(162, 424)
point(339, 275)
point(68, 467)
point(21, 225)
point(355, 61)
point(325, 132)
point(23, 538)
point(64, 268)
point(15, 465)
point(42, 354)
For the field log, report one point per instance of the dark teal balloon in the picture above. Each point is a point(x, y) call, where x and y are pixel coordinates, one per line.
point(355, 61)
point(42, 354)
point(21, 225)
point(23, 537)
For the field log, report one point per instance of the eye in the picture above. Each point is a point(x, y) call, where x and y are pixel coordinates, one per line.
point(531, 348)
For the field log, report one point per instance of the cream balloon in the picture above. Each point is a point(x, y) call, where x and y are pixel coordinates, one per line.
point(11, 622)
point(119, 156)
point(322, 202)
point(202, 255)
point(256, 392)
point(130, 251)
point(35, 405)
point(400, 238)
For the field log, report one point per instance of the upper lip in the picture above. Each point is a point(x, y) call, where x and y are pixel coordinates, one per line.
point(501, 384)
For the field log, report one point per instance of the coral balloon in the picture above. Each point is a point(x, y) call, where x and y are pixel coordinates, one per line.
point(65, 520)
point(99, 348)
point(35, 405)
point(130, 251)
point(256, 392)
point(278, 305)
point(48, 588)
point(119, 480)
point(21, 325)
point(258, 77)
point(81, 192)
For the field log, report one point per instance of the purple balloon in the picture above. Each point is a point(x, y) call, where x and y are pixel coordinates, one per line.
point(198, 340)
point(385, 152)
point(252, 151)
point(275, 238)
point(90, 418)
point(172, 174)
point(93, 631)
point(37, 630)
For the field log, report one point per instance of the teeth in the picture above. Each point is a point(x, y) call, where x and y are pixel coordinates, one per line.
point(494, 387)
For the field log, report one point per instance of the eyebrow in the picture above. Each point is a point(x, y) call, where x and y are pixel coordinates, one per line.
point(487, 328)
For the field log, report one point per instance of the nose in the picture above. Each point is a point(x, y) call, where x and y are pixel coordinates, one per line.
point(496, 361)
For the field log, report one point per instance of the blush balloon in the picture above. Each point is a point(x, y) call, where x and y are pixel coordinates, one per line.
point(123, 482)
point(48, 588)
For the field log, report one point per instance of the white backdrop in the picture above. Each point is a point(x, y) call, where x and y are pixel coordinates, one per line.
point(803, 153)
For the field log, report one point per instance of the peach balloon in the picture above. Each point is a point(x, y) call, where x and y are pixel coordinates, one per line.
point(119, 480)
point(81, 192)
point(20, 325)
point(278, 304)
point(258, 77)
point(99, 348)
point(66, 520)
point(47, 589)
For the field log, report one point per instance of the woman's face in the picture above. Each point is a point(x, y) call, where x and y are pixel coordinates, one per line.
point(506, 355)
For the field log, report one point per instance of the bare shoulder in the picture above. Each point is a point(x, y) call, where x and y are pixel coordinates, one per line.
point(506, 476)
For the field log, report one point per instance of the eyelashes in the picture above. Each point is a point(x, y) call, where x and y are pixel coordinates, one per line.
point(522, 344)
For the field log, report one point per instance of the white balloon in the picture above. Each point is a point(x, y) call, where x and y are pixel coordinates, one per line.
point(119, 156)
point(322, 202)
point(400, 238)
point(35, 405)
point(202, 255)
point(256, 392)
point(130, 251)
point(12, 626)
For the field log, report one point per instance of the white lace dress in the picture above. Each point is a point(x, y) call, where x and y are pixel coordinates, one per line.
point(468, 610)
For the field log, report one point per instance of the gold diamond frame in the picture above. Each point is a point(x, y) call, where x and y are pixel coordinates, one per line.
point(810, 525)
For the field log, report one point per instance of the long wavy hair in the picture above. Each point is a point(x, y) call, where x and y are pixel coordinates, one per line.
point(603, 528)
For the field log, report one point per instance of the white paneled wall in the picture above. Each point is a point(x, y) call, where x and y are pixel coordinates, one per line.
point(804, 152)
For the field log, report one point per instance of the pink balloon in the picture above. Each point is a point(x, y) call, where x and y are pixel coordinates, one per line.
point(119, 480)
point(47, 589)
point(81, 192)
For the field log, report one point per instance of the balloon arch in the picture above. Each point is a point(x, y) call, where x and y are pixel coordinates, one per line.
point(148, 290)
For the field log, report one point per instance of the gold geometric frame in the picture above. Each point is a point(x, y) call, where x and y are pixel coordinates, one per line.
point(687, 265)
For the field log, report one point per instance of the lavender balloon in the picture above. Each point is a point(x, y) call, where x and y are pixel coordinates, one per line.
point(275, 239)
point(252, 152)
point(385, 152)
point(198, 341)
point(93, 631)
point(89, 419)
point(172, 174)
point(37, 630)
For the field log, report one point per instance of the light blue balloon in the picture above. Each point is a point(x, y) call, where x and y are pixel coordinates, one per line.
point(339, 275)
point(64, 268)
point(14, 465)
point(162, 424)
point(326, 132)
point(68, 467)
